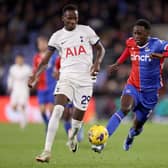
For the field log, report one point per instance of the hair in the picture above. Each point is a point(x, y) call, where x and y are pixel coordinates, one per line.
point(69, 7)
point(19, 54)
point(143, 22)
point(43, 36)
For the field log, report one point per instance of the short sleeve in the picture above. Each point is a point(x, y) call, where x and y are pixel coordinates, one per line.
point(93, 37)
point(53, 41)
point(163, 45)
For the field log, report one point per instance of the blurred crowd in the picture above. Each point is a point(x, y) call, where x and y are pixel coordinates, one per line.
point(21, 21)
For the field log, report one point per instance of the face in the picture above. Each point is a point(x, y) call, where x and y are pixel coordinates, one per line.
point(70, 19)
point(19, 60)
point(140, 35)
point(42, 44)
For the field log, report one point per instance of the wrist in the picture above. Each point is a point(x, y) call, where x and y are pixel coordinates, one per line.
point(117, 63)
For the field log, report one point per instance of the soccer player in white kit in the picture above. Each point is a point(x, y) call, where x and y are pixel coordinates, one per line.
point(17, 85)
point(75, 44)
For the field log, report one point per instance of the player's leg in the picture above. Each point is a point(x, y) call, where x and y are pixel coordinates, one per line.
point(23, 119)
point(128, 100)
point(141, 116)
point(67, 121)
point(63, 92)
point(148, 101)
point(127, 103)
point(61, 100)
point(50, 101)
point(67, 118)
point(44, 116)
point(41, 95)
point(76, 125)
point(81, 98)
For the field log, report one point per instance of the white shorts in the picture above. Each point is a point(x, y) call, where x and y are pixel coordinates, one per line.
point(78, 94)
point(19, 98)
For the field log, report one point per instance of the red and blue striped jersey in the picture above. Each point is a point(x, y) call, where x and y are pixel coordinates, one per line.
point(146, 73)
point(46, 78)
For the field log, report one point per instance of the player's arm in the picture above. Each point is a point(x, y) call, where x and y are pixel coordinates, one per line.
point(159, 55)
point(57, 67)
point(125, 54)
point(100, 52)
point(163, 53)
point(41, 67)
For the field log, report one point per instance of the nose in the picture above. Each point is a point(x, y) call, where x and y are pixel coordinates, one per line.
point(72, 21)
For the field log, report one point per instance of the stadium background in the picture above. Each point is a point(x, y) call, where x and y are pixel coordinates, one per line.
point(22, 20)
point(20, 23)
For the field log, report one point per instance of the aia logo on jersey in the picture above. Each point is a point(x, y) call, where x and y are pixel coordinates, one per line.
point(75, 51)
point(143, 58)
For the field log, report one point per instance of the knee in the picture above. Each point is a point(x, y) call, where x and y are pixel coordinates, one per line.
point(58, 111)
point(126, 108)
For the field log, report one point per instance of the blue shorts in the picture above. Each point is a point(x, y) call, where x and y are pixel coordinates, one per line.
point(144, 102)
point(45, 96)
point(69, 105)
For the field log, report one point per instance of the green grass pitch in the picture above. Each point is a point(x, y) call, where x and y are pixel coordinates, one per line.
point(18, 149)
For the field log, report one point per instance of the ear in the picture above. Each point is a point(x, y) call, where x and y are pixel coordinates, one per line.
point(148, 32)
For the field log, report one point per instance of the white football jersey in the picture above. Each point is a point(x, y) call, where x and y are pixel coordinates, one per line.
point(18, 78)
point(75, 49)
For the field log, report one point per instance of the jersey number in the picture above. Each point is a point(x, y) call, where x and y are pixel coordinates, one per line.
point(85, 99)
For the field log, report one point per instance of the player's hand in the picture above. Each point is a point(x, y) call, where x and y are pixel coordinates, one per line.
point(32, 81)
point(156, 55)
point(95, 69)
point(112, 68)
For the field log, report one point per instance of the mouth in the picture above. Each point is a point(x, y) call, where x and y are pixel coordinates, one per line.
point(138, 41)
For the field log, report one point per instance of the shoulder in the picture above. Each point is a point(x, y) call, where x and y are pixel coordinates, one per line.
point(27, 66)
point(57, 33)
point(85, 28)
point(130, 42)
point(12, 67)
point(156, 40)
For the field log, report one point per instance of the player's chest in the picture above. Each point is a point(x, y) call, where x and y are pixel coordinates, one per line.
point(142, 55)
point(75, 39)
point(20, 73)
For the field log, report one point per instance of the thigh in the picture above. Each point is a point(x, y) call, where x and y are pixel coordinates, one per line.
point(142, 114)
point(64, 87)
point(50, 98)
point(149, 99)
point(41, 95)
point(82, 96)
point(19, 98)
point(133, 92)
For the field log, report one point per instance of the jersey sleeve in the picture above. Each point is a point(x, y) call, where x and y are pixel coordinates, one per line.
point(53, 42)
point(163, 46)
point(125, 54)
point(93, 37)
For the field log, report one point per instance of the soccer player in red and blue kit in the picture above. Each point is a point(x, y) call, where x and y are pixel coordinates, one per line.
point(140, 94)
point(47, 81)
